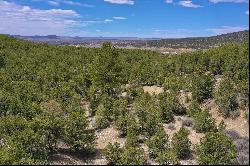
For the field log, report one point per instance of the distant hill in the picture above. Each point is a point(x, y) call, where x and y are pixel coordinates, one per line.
point(193, 42)
point(201, 42)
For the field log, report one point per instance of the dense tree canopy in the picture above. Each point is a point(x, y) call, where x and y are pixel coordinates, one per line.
point(42, 88)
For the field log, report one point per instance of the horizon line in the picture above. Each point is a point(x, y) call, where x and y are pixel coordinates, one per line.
point(123, 36)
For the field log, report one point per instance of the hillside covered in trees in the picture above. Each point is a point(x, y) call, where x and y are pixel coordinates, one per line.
point(202, 42)
point(56, 100)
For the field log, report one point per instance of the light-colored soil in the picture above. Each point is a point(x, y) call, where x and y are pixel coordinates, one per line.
point(104, 137)
point(192, 161)
point(177, 124)
point(108, 135)
point(62, 159)
point(218, 79)
point(153, 90)
point(240, 124)
point(185, 98)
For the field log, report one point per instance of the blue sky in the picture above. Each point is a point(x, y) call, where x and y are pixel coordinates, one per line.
point(123, 18)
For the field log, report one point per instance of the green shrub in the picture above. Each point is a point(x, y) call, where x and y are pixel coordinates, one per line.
point(216, 149)
point(102, 118)
point(193, 109)
point(167, 158)
point(13, 156)
point(204, 122)
point(150, 123)
point(148, 113)
point(124, 122)
point(2, 60)
point(166, 108)
point(51, 125)
point(158, 143)
point(9, 125)
point(169, 104)
point(113, 153)
point(226, 98)
point(76, 134)
point(124, 156)
point(133, 156)
point(12, 104)
point(202, 87)
point(120, 108)
point(221, 126)
point(181, 143)
point(25, 147)
point(132, 138)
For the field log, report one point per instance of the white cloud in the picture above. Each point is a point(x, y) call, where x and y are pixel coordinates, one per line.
point(231, 1)
point(247, 12)
point(119, 18)
point(188, 4)
point(25, 20)
point(127, 2)
point(108, 20)
point(98, 21)
point(227, 29)
point(169, 1)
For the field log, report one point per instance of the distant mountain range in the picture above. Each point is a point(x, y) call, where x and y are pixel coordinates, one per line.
point(192, 42)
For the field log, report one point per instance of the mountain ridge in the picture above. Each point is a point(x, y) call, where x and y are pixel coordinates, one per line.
point(189, 42)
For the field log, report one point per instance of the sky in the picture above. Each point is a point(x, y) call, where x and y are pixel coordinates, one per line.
point(123, 18)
